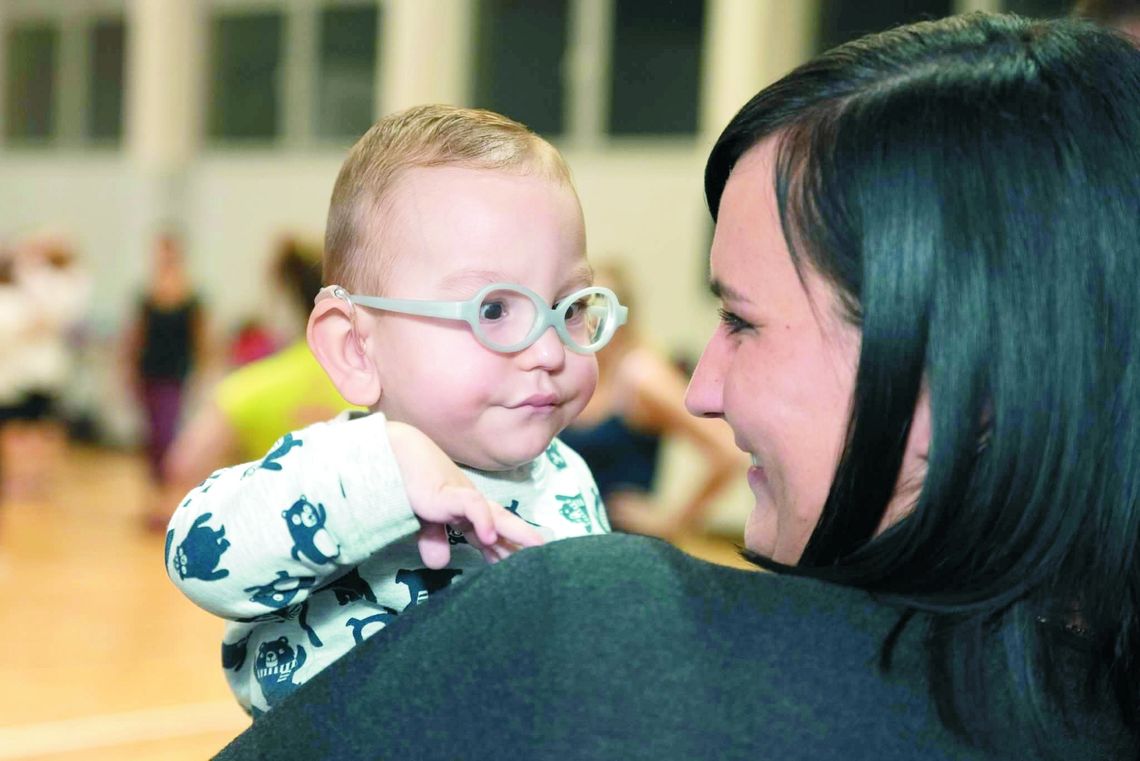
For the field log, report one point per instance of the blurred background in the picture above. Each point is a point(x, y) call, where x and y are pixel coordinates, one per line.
point(163, 151)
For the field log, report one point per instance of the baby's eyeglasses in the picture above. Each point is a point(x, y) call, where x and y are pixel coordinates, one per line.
point(507, 318)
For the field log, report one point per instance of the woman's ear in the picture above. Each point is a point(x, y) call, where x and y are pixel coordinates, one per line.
point(918, 442)
point(340, 348)
point(912, 473)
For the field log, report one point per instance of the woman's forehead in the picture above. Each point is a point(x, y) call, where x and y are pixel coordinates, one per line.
point(750, 193)
point(760, 157)
point(748, 239)
point(750, 261)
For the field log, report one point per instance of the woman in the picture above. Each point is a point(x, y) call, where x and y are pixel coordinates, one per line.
point(259, 402)
point(926, 249)
point(164, 344)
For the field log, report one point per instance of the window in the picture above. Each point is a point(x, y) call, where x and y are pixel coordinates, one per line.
point(31, 86)
point(841, 20)
point(655, 85)
point(635, 69)
point(519, 51)
point(345, 87)
point(105, 110)
point(245, 55)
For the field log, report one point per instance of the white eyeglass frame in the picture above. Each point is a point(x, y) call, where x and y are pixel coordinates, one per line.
point(468, 311)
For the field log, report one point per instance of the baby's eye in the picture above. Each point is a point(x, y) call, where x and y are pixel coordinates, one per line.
point(491, 311)
point(577, 310)
point(732, 322)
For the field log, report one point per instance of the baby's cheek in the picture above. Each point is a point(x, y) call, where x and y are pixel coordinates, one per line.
point(588, 377)
point(579, 402)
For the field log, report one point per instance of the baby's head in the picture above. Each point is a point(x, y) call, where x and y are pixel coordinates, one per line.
point(434, 204)
point(358, 255)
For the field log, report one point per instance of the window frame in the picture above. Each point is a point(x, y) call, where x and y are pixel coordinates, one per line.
point(71, 96)
point(313, 114)
point(119, 139)
point(587, 72)
point(701, 64)
point(299, 62)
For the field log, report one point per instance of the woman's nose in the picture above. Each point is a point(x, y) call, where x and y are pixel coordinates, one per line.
point(705, 395)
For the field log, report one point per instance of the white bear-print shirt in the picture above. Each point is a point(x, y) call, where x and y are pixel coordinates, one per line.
point(312, 549)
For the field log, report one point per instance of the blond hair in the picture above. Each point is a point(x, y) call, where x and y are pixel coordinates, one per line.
point(423, 136)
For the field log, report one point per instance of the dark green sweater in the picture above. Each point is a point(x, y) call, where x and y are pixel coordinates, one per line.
point(621, 647)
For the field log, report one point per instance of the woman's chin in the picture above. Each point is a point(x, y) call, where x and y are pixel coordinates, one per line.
point(759, 534)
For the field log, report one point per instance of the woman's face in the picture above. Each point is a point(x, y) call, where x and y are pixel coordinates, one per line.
point(780, 368)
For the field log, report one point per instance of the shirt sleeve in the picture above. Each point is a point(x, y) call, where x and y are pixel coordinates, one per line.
point(254, 538)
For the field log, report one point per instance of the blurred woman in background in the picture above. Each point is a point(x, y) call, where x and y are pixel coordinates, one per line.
point(638, 405)
point(166, 343)
point(265, 399)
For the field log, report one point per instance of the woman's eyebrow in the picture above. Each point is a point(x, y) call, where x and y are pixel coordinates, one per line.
point(725, 292)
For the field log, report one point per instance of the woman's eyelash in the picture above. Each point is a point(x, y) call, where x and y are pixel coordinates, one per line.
point(733, 322)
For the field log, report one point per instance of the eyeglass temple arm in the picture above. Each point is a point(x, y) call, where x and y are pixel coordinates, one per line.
point(421, 308)
point(453, 310)
point(621, 314)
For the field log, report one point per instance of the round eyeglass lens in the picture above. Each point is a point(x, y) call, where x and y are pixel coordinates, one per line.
point(506, 317)
point(587, 318)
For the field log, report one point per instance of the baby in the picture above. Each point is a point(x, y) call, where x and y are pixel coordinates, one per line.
point(479, 354)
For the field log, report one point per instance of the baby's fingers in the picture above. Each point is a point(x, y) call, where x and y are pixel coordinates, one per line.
point(480, 513)
point(434, 548)
point(494, 553)
point(514, 530)
point(513, 535)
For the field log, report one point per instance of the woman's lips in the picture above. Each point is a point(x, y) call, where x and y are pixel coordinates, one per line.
point(757, 478)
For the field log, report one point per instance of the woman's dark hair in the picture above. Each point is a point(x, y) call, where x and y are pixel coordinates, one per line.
point(298, 265)
point(7, 268)
point(971, 188)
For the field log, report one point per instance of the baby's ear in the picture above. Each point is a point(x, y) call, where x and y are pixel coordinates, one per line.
point(339, 347)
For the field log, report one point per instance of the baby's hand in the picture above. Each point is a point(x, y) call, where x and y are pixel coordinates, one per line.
point(441, 494)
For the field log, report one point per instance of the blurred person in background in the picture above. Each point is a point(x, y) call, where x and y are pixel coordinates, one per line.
point(253, 340)
point(164, 344)
point(261, 401)
point(15, 329)
point(56, 291)
point(1123, 15)
point(639, 404)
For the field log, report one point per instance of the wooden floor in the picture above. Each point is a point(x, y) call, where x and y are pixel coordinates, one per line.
point(104, 658)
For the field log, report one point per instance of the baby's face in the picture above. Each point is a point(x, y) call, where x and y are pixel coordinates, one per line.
point(455, 230)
